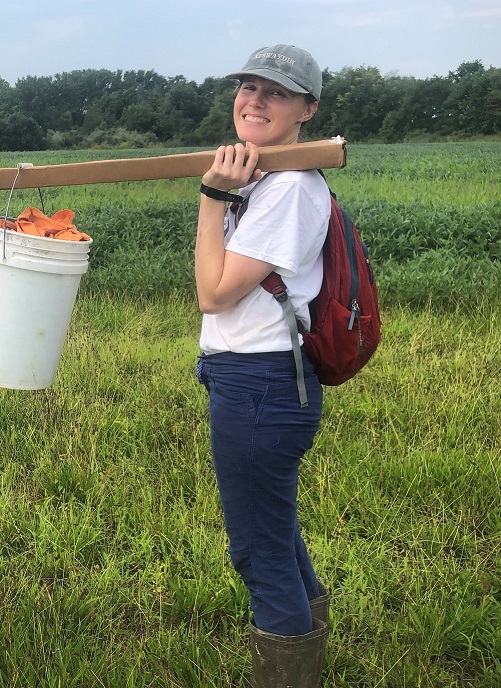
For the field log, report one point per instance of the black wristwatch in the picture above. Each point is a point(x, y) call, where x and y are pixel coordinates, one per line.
point(219, 195)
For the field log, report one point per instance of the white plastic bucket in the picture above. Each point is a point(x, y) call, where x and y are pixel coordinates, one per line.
point(39, 279)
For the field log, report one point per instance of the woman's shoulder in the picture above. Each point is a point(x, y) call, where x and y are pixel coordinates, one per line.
point(309, 181)
point(291, 189)
point(303, 177)
point(298, 184)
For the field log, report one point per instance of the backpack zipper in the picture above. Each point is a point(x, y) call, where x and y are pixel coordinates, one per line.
point(355, 313)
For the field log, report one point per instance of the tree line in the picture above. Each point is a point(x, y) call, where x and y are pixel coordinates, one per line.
point(102, 108)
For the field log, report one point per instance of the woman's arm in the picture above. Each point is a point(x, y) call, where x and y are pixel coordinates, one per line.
point(224, 277)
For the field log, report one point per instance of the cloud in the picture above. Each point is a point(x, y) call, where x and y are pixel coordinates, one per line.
point(64, 29)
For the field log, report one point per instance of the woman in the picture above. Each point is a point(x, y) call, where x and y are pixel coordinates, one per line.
point(259, 431)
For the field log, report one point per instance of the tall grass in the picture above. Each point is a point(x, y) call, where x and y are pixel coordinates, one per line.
point(113, 562)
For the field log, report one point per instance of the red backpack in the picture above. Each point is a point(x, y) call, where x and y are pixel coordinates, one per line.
point(345, 321)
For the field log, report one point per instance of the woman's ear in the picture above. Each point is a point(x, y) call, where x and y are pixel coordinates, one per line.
point(310, 110)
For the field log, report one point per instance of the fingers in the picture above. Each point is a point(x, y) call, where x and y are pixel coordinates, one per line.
point(247, 157)
point(234, 160)
point(252, 155)
point(233, 166)
point(256, 175)
point(252, 160)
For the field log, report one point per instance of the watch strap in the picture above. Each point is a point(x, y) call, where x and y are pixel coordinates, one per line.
point(219, 195)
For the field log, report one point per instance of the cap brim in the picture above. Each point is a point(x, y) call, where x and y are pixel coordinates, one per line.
point(269, 74)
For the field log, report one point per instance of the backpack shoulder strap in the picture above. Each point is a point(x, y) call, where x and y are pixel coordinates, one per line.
point(275, 285)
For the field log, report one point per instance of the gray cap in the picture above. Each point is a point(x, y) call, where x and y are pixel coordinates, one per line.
point(291, 67)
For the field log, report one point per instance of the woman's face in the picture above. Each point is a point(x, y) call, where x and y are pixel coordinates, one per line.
point(268, 114)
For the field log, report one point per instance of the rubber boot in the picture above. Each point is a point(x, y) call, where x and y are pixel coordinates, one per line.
point(288, 661)
point(320, 605)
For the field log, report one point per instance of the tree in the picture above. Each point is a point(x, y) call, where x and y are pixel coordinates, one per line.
point(179, 113)
point(492, 106)
point(217, 126)
point(474, 99)
point(145, 83)
point(425, 105)
point(359, 103)
point(94, 118)
point(466, 70)
point(139, 117)
point(6, 96)
point(34, 96)
point(354, 103)
point(20, 133)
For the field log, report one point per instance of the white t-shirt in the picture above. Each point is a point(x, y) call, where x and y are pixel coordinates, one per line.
point(285, 224)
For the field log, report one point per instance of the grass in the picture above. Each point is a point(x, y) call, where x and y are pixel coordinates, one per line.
point(113, 563)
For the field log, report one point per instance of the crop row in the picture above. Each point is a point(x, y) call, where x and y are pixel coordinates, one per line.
point(430, 214)
point(420, 252)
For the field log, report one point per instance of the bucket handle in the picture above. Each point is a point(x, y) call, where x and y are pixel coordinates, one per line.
point(20, 166)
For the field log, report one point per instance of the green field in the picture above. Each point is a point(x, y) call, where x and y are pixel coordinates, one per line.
point(113, 564)
point(430, 214)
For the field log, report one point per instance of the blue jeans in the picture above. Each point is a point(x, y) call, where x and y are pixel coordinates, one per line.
point(259, 434)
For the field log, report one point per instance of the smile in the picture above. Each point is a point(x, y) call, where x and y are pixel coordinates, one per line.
point(256, 120)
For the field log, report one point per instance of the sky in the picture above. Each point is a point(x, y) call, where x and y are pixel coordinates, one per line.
point(202, 38)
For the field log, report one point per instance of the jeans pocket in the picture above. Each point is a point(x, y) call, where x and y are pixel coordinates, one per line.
point(238, 402)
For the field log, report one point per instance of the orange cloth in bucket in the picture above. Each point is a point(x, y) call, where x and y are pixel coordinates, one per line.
point(59, 226)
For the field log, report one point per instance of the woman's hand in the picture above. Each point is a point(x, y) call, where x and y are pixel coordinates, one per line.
point(224, 277)
point(233, 167)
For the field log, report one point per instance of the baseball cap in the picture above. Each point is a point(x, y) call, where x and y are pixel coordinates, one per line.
point(291, 67)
